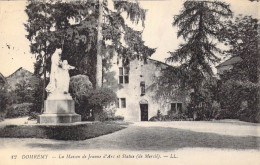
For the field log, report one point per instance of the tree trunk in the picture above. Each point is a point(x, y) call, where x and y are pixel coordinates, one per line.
point(44, 79)
point(99, 46)
point(44, 63)
point(44, 83)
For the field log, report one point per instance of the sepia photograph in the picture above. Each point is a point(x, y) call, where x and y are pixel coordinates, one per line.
point(129, 82)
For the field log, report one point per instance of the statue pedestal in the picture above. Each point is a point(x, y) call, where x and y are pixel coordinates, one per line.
point(59, 111)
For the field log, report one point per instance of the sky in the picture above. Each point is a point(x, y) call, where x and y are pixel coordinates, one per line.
point(158, 32)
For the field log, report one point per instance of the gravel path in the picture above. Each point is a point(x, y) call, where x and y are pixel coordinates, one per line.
point(224, 127)
point(16, 121)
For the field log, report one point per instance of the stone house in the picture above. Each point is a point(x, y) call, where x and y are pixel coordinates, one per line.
point(20, 76)
point(136, 101)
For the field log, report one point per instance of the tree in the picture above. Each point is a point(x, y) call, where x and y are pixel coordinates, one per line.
point(99, 69)
point(73, 26)
point(242, 35)
point(199, 23)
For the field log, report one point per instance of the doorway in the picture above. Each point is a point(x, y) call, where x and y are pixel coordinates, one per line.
point(144, 112)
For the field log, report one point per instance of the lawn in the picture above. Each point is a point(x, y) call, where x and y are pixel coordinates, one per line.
point(61, 132)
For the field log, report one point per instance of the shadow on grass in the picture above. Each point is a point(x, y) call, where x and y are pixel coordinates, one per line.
point(61, 132)
point(155, 138)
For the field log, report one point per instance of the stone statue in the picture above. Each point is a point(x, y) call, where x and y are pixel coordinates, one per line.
point(55, 63)
point(59, 77)
point(59, 107)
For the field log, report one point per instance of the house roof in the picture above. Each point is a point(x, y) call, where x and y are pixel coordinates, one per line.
point(2, 77)
point(231, 61)
point(21, 68)
point(159, 62)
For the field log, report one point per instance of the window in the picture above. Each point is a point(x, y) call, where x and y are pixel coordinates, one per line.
point(142, 85)
point(123, 103)
point(173, 107)
point(176, 107)
point(126, 73)
point(123, 75)
point(179, 107)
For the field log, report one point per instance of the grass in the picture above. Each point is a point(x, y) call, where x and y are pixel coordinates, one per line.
point(61, 132)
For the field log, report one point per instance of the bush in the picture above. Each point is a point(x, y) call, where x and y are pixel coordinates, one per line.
point(80, 87)
point(91, 103)
point(169, 117)
point(239, 99)
point(249, 116)
point(80, 84)
point(115, 118)
point(18, 110)
point(175, 117)
point(99, 99)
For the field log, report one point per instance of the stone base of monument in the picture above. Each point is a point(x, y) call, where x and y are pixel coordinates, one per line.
point(59, 118)
point(59, 111)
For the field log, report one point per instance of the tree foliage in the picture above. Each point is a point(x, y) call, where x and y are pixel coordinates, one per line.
point(72, 26)
point(242, 36)
point(199, 23)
